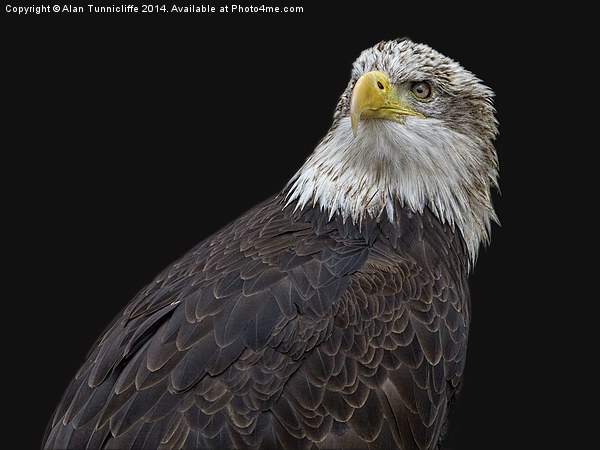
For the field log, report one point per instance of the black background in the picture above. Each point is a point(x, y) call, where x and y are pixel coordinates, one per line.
point(132, 137)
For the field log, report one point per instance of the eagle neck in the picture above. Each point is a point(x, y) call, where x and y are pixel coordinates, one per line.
point(414, 166)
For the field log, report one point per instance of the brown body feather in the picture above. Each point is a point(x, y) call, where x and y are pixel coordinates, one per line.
point(283, 330)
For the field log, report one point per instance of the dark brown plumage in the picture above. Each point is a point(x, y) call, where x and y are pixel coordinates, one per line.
point(283, 326)
point(296, 326)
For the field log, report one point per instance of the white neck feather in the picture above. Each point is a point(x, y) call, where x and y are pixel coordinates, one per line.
point(422, 163)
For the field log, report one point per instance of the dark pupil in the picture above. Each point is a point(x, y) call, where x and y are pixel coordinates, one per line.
point(420, 89)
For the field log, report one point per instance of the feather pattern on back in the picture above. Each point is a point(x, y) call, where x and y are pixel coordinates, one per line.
point(284, 326)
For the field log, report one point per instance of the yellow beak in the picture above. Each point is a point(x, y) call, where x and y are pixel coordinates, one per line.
point(374, 97)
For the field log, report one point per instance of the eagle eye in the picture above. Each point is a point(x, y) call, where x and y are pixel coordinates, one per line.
point(421, 90)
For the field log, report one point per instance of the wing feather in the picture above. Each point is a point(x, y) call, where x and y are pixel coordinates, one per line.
point(285, 328)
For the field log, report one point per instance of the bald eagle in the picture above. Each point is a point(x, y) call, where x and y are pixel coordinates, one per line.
point(335, 314)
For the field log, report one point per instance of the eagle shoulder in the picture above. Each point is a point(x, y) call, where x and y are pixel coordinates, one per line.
point(234, 315)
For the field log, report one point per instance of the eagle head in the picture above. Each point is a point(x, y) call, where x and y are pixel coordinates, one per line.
point(412, 127)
